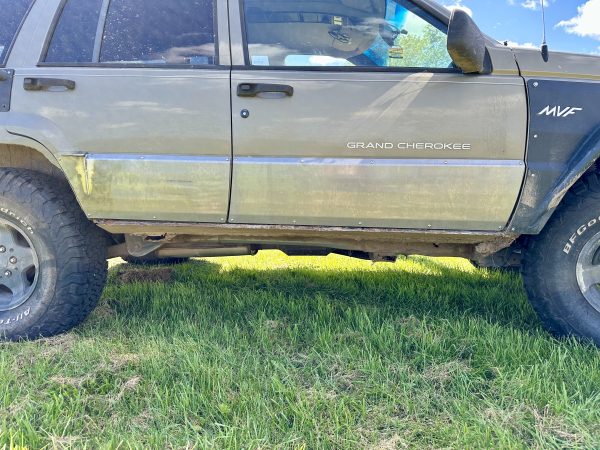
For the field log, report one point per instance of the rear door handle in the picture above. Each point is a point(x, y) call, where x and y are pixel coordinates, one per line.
point(253, 89)
point(41, 84)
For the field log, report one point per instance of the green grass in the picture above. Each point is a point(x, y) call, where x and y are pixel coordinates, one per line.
point(305, 353)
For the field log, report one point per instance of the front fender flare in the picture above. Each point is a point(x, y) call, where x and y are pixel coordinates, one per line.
point(560, 148)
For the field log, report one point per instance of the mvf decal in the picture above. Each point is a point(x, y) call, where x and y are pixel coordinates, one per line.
point(558, 111)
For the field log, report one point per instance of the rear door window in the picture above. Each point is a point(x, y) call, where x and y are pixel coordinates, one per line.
point(159, 31)
point(12, 14)
point(149, 32)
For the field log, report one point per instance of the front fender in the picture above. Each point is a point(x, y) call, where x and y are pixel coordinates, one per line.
point(563, 143)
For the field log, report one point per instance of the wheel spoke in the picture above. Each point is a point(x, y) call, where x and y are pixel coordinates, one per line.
point(16, 282)
point(18, 268)
point(590, 276)
point(24, 259)
point(8, 238)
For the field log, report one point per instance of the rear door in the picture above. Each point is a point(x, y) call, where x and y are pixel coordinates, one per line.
point(350, 113)
point(134, 96)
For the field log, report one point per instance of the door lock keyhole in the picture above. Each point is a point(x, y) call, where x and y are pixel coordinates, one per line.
point(245, 113)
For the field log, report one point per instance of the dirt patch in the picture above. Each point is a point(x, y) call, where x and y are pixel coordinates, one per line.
point(116, 363)
point(64, 341)
point(392, 443)
point(315, 395)
point(345, 380)
point(14, 408)
point(119, 361)
point(60, 344)
point(129, 385)
point(274, 324)
point(446, 372)
point(104, 311)
point(142, 420)
point(76, 382)
point(548, 423)
point(60, 442)
point(158, 275)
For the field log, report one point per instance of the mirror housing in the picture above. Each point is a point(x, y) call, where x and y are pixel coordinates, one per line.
point(466, 44)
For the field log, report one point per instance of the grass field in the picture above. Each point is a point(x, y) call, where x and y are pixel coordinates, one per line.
point(304, 353)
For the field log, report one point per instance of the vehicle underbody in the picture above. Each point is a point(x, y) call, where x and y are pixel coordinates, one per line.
point(205, 240)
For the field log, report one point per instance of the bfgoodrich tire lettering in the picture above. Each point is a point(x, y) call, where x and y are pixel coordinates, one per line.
point(70, 250)
point(552, 260)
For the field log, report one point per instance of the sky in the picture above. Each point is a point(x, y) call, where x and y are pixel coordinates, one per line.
point(572, 25)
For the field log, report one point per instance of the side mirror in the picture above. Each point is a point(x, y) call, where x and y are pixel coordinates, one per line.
point(466, 44)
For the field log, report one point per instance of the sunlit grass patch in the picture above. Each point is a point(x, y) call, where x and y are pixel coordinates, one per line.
point(277, 352)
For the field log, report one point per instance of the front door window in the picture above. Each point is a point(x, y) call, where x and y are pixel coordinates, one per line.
point(346, 33)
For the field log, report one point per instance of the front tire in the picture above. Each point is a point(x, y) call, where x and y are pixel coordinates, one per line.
point(562, 265)
point(52, 258)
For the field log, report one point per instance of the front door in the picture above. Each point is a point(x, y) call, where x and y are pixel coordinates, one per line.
point(351, 113)
point(134, 97)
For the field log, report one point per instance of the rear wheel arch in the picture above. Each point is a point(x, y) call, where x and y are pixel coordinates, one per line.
point(20, 156)
point(30, 155)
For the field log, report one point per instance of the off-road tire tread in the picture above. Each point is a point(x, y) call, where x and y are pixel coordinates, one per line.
point(587, 189)
point(79, 246)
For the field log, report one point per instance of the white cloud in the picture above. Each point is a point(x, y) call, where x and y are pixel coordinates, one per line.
point(534, 5)
point(530, 4)
point(525, 45)
point(587, 21)
point(458, 5)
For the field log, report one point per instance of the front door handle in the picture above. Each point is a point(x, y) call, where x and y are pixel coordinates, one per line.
point(41, 84)
point(253, 89)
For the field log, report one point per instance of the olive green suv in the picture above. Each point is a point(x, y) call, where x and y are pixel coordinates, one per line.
point(153, 129)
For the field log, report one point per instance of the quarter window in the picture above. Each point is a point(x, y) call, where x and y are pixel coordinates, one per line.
point(12, 14)
point(75, 33)
point(154, 32)
point(350, 33)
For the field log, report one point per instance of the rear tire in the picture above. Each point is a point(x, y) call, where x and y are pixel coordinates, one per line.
point(61, 265)
point(561, 268)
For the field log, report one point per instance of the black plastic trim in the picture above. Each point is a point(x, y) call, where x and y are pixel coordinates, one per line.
point(6, 82)
point(40, 84)
point(562, 145)
point(12, 44)
point(50, 33)
point(253, 89)
point(100, 29)
point(242, 10)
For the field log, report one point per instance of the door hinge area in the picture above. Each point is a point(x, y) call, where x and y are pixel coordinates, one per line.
point(6, 82)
